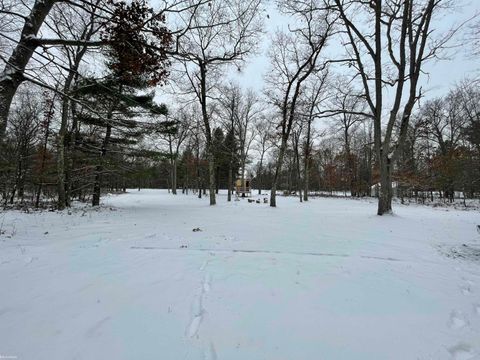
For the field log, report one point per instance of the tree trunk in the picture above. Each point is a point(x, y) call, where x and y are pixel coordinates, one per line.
point(230, 181)
point(278, 168)
point(44, 154)
point(385, 193)
point(63, 193)
point(12, 75)
point(199, 184)
point(199, 175)
point(211, 176)
point(97, 186)
point(208, 132)
point(306, 165)
point(70, 163)
point(259, 176)
point(174, 176)
point(299, 171)
point(62, 201)
point(306, 179)
point(17, 179)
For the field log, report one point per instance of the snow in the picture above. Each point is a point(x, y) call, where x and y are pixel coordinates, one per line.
point(327, 279)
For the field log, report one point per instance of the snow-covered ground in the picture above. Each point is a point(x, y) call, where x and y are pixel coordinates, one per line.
point(327, 279)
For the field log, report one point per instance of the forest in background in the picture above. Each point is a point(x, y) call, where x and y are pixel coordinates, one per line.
point(79, 116)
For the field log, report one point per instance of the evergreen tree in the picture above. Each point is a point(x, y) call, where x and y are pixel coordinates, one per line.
point(117, 110)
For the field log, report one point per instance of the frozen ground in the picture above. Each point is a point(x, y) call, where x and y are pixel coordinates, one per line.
point(322, 280)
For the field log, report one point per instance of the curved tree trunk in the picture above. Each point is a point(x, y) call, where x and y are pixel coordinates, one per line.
point(12, 75)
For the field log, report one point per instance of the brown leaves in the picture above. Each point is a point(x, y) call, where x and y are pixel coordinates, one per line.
point(139, 41)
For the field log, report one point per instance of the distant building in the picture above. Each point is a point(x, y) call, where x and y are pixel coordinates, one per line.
point(242, 187)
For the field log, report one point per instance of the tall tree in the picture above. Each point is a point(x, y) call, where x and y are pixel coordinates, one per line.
point(389, 42)
point(314, 96)
point(81, 26)
point(131, 30)
point(223, 33)
point(114, 105)
point(346, 122)
point(295, 56)
point(264, 141)
point(175, 139)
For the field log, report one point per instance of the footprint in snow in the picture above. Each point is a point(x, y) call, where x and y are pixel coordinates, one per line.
point(206, 283)
point(457, 320)
point(194, 326)
point(210, 353)
point(30, 259)
point(466, 290)
point(477, 308)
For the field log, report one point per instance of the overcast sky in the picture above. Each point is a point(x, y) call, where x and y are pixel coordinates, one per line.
point(442, 75)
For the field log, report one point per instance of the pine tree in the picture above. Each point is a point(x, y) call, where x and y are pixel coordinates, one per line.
point(115, 107)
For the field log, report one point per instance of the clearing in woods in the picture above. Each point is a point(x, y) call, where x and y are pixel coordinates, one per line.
point(326, 279)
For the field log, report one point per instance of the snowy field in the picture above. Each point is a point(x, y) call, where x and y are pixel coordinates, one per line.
point(321, 280)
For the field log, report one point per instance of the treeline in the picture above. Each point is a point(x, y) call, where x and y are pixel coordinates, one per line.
point(80, 113)
point(440, 157)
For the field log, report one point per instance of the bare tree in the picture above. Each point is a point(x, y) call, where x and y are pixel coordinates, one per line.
point(26, 46)
point(296, 138)
point(314, 96)
point(12, 75)
point(346, 122)
point(134, 32)
point(25, 129)
point(443, 122)
point(249, 111)
point(222, 33)
point(229, 101)
point(474, 37)
point(79, 25)
point(174, 140)
point(294, 57)
point(392, 56)
point(264, 141)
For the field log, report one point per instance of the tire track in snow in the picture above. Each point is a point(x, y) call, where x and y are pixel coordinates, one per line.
point(267, 252)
